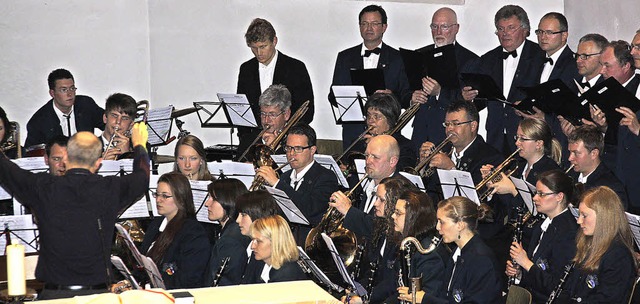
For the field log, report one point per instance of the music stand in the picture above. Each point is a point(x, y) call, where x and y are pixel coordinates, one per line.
point(17, 227)
point(234, 107)
point(159, 126)
point(313, 269)
point(350, 101)
point(457, 183)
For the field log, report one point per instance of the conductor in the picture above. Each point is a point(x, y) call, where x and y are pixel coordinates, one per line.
point(77, 212)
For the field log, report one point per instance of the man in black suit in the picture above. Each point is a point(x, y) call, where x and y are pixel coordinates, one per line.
point(371, 54)
point(434, 97)
point(515, 63)
point(270, 66)
point(585, 144)
point(308, 183)
point(65, 114)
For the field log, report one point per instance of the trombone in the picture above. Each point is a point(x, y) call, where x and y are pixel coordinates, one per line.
point(495, 176)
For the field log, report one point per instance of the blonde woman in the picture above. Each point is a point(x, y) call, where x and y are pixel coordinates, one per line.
point(191, 159)
point(272, 242)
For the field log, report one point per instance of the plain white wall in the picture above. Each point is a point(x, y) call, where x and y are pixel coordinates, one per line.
point(178, 52)
point(616, 20)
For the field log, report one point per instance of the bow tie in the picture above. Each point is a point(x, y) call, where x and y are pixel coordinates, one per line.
point(513, 53)
point(368, 53)
point(586, 84)
point(549, 60)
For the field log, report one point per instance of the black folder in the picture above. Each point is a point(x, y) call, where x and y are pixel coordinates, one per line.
point(554, 97)
point(437, 63)
point(371, 79)
point(609, 95)
point(486, 86)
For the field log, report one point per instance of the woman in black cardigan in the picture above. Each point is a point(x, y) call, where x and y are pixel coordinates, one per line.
point(176, 241)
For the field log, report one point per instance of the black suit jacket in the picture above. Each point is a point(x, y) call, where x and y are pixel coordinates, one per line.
point(427, 124)
point(185, 257)
point(557, 248)
point(603, 176)
point(231, 244)
point(628, 165)
point(564, 68)
point(527, 74)
point(289, 271)
point(312, 196)
point(385, 277)
point(395, 79)
point(610, 155)
point(290, 72)
point(408, 152)
point(475, 279)
point(45, 124)
point(542, 165)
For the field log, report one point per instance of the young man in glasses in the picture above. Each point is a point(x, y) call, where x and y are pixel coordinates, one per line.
point(65, 114)
point(308, 183)
point(433, 96)
point(275, 111)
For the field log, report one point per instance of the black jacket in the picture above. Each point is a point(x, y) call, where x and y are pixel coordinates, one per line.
point(603, 176)
point(231, 244)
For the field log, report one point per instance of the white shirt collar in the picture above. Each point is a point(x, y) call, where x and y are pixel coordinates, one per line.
point(299, 176)
point(557, 54)
point(461, 153)
point(364, 48)
point(271, 64)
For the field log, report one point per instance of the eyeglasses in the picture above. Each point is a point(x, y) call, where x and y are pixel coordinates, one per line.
point(543, 194)
point(64, 90)
point(162, 195)
point(375, 117)
point(443, 27)
point(271, 115)
point(447, 124)
point(365, 24)
point(509, 30)
point(547, 32)
point(584, 56)
point(521, 139)
point(296, 149)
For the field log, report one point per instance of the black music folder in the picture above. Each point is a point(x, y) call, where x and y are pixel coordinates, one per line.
point(609, 95)
point(371, 79)
point(555, 97)
point(437, 63)
point(486, 86)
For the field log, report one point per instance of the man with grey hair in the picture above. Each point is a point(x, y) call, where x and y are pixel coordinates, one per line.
point(275, 111)
point(635, 51)
point(515, 63)
point(435, 97)
point(77, 212)
point(270, 66)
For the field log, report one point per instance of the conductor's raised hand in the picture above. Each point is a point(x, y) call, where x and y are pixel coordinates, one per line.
point(139, 134)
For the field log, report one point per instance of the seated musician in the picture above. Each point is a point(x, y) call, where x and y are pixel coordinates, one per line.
point(10, 149)
point(119, 114)
point(585, 144)
point(540, 265)
point(191, 159)
point(273, 244)
point(176, 241)
point(250, 207)
point(383, 111)
point(275, 111)
point(308, 184)
point(376, 269)
point(55, 154)
point(470, 275)
point(605, 269)
point(221, 204)
point(415, 216)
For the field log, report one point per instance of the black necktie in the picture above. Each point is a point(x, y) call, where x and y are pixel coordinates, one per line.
point(586, 84)
point(295, 185)
point(549, 60)
point(368, 53)
point(68, 117)
point(513, 53)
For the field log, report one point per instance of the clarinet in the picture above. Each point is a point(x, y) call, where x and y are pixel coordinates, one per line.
point(556, 292)
point(517, 238)
point(216, 278)
point(403, 276)
point(357, 259)
point(372, 277)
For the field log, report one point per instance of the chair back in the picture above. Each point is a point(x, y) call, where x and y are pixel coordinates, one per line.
point(518, 295)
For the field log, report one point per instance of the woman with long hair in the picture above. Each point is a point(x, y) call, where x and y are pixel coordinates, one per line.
point(605, 269)
point(272, 242)
point(176, 241)
point(221, 206)
point(471, 275)
point(414, 216)
point(552, 245)
point(191, 158)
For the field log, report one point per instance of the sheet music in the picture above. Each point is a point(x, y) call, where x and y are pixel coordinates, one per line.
point(122, 268)
point(240, 112)
point(242, 171)
point(200, 195)
point(527, 192)
point(149, 266)
point(347, 99)
point(139, 208)
point(414, 179)
point(33, 164)
point(290, 210)
point(457, 183)
point(316, 271)
point(360, 167)
point(574, 211)
point(328, 162)
point(281, 159)
point(634, 223)
point(159, 121)
point(113, 167)
point(23, 229)
point(341, 267)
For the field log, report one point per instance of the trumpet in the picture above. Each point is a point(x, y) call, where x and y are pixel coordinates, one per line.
point(404, 118)
point(142, 112)
point(420, 166)
point(495, 176)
